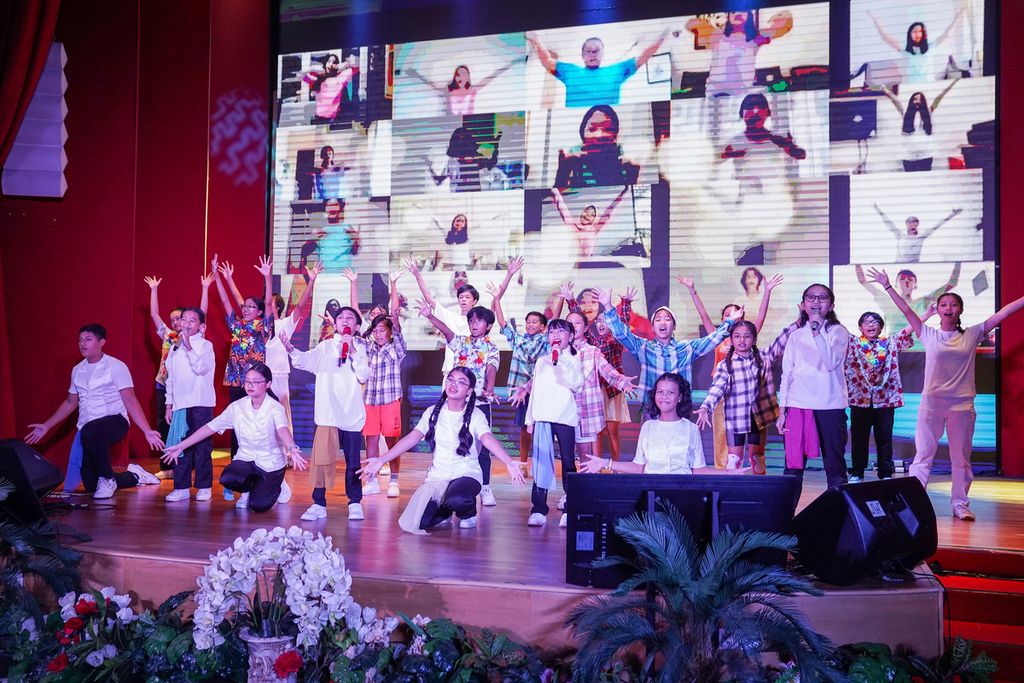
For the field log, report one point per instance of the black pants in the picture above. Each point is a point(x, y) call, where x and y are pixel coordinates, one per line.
point(566, 437)
point(196, 458)
point(832, 436)
point(97, 438)
point(351, 445)
point(485, 455)
point(459, 498)
point(235, 393)
point(161, 424)
point(862, 422)
point(263, 487)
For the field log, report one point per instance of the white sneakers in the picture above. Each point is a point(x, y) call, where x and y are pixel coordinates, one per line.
point(355, 511)
point(176, 495)
point(468, 523)
point(393, 490)
point(536, 519)
point(243, 501)
point(284, 496)
point(105, 488)
point(372, 487)
point(487, 497)
point(145, 478)
point(561, 503)
point(733, 462)
point(314, 512)
point(960, 511)
point(204, 494)
point(563, 521)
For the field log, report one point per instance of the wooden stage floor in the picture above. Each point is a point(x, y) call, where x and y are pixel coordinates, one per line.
point(153, 549)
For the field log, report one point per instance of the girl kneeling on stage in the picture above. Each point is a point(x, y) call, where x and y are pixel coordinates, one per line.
point(261, 425)
point(455, 430)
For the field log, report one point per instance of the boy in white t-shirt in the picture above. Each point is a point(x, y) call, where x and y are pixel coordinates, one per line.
point(102, 392)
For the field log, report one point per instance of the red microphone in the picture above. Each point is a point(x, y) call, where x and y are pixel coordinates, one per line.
point(344, 345)
point(554, 355)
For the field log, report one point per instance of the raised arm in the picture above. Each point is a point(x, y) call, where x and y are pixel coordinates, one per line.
point(410, 265)
point(886, 36)
point(441, 89)
point(38, 430)
point(893, 98)
point(705, 319)
point(502, 69)
point(779, 25)
point(229, 278)
point(951, 283)
point(427, 311)
point(952, 214)
point(353, 295)
point(651, 49)
point(154, 301)
point(938, 98)
point(563, 208)
point(1002, 314)
point(131, 404)
point(619, 330)
point(949, 29)
point(887, 222)
point(499, 315)
point(882, 278)
point(204, 298)
point(218, 271)
point(769, 284)
point(547, 59)
point(299, 309)
point(266, 269)
point(607, 215)
point(394, 300)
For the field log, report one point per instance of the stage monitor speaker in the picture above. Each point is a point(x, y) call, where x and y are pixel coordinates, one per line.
point(33, 478)
point(855, 531)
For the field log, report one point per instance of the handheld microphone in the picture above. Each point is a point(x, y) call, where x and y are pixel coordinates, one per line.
point(344, 345)
point(554, 355)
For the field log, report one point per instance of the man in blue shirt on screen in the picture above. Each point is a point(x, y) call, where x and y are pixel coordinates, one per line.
point(592, 83)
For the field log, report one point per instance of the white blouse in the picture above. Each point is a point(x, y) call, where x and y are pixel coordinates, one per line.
point(669, 447)
point(448, 464)
point(256, 431)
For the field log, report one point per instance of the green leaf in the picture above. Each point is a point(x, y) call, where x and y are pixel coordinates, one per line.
point(179, 646)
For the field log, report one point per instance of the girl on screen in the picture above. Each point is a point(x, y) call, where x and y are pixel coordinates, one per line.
point(329, 177)
point(588, 225)
point(734, 47)
point(460, 92)
point(467, 158)
point(921, 62)
point(756, 148)
point(947, 398)
point(598, 160)
point(329, 84)
point(917, 143)
point(455, 430)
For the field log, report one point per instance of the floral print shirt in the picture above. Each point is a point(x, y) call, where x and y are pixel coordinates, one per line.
point(475, 354)
point(873, 370)
point(248, 344)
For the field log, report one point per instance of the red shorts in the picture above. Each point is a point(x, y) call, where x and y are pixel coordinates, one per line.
point(384, 420)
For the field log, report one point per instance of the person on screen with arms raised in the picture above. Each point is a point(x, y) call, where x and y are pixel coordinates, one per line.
point(455, 431)
point(734, 47)
point(910, 241)
point(329, 84)
point(920, 60)
point(947, 398)
point(663, 353)
point(588, 225)
point(598, 160)
point(257, 471)
point(461, 91)
point(906, 284)
point(467, 157)
point(668, 442)
point(917, 140)
point(592, 83)
point(104, 395)
point(756, 148)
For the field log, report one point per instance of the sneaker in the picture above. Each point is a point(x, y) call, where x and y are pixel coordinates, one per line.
point(963, 512)
point(286, 493)
point(854, 479)
point(314, 512)
point(561, 503)
point(145, 478)
point(372, 487)
point(536, 519)
point(355, 511)
point(385, 470)
point(229, 495)
point(175, 495)
point(105, 488)
point(733, 462)
point(204, 494)
point(164, 474)
point(468, 523)
point(487, 497)
point(242, 502)
point(563, 521)
point(393, 490)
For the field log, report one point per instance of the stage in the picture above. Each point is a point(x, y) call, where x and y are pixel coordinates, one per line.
point(501, 575)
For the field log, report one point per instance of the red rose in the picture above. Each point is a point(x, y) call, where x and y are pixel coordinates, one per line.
point(287, 664)
point(73, 624)
point(58, 663)
point(86, 607)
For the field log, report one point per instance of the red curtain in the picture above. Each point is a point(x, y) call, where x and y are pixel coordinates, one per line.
point(26, 33)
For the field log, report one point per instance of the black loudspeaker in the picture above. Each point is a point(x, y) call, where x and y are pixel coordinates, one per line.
point(855, 531)
point(33, 477)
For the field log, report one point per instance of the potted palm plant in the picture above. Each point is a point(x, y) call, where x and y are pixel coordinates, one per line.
point(707, 615)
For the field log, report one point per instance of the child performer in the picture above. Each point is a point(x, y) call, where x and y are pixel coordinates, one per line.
point(812, 396)
point(553, 414)
point(718, 414)
point(257, 472)
point(385, 350)
point(526, 349)
point(455, 431)
point(668, 442)
point(102, 392)
point(190, 402)
point(947, 399)
point(744, 380)
point(875, 391)
point(477, 352)
point(376, 309)
point(341, 368)
point(454, 320)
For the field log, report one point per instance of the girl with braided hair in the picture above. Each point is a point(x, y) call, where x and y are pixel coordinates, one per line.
point(744, 380)
point(454, 429)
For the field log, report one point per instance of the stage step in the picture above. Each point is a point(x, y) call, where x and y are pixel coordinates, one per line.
point(981, 561)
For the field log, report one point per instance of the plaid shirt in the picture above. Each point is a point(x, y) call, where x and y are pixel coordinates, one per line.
point(475, 354)
point(384, 385)
point(747, 392)
point(606, 343)
point(526, 348)
point(656, 358)
point(589, 400)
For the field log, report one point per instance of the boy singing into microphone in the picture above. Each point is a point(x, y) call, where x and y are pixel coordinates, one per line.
point(341, 367)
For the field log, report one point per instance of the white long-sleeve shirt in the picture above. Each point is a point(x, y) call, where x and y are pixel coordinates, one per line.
point(190, 375)
point(814, 369)
point(338, 397)
point(553, 398)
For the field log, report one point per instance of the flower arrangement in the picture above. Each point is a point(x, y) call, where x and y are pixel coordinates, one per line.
point(279, 580)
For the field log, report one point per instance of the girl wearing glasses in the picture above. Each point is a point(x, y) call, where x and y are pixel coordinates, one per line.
point(455, 431)
point(812, 394)
point(260, 422)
